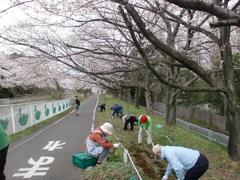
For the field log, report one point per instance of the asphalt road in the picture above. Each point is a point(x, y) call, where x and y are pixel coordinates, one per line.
point(47, 153)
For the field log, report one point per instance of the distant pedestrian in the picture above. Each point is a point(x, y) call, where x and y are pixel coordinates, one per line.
point(102, 107)
point(98, 145)
point(188, 164)
point(4, 143)
point(77, 101)
point(144, 122)
point(128, 119)
point(117, 109)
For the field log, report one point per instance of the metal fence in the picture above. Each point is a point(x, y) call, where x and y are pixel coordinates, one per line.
point(9, 101)
point(193, 113)
point(211, 135)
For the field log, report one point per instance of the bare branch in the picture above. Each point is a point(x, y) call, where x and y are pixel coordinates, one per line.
point(15, 5)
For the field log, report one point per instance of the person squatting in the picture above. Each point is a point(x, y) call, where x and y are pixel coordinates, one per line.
point(98, 145)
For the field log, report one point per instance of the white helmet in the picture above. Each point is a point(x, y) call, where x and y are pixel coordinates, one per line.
point(107, 128)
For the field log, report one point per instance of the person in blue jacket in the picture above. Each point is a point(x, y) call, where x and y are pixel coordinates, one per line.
point(117, 109)
point(188, 164)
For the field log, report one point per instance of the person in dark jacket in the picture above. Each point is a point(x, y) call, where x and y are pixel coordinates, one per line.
point(77, 101)
point(102, 107)
point(128, 118)
point(117, 109)
point(4, 143)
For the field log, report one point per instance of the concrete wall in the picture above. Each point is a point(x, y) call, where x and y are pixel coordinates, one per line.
point(15, 118)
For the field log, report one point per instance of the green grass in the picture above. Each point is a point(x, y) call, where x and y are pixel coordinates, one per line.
point(109, 171)
point(221, 166)
point(200, 123)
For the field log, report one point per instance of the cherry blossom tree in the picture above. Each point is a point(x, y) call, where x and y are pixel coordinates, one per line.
point(170, 41)
point(222, 40)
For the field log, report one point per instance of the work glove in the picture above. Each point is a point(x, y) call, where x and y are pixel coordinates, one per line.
point(116, 145)
point(164, 177)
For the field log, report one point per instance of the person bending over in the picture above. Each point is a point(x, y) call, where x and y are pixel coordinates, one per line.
point(117, 109)
point(188, 164)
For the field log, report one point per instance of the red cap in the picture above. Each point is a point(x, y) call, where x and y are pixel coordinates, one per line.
point(143, 119)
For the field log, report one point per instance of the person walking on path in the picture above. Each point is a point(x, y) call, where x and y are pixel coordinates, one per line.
point(98, 145)
point(117, 109)
point(128, 118)
point(4, 143)
point(188, 164)
point(145, 123)
point(77, 101)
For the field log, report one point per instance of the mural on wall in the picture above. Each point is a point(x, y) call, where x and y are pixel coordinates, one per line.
point(59, 107)
point(4, 123)
point(37, 113)
point(23, 118)
point(18, 117)
point(54, 109)
point(46, 110)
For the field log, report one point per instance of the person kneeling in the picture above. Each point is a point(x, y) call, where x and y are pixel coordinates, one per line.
point(98, 145)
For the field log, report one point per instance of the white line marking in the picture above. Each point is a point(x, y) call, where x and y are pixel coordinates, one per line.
point(94, 114)
point(42, 130)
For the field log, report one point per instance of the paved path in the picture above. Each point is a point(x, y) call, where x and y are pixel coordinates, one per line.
point(47, 153)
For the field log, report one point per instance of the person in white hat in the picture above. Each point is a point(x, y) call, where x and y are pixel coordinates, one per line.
point(188, 164)
point(98, 145)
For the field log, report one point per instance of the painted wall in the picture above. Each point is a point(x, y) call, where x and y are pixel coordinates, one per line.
point(15, 118)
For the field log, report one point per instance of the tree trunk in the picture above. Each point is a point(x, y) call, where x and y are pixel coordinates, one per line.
point(170, 107)
point(125, 95)
point(149, 103)
point(232, 103)
point(120, 95)
point(233, 116)
point(129, 98)
point(137, 98)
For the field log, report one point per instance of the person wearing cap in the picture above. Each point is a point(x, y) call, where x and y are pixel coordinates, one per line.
point(144, 123)
point(128, 118)
point(98, 145)
point(117, 109)
point(4, 143)
point(188, 164)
